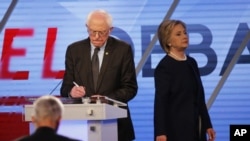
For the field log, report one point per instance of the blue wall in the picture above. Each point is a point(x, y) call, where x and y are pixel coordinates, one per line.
point(41, 30)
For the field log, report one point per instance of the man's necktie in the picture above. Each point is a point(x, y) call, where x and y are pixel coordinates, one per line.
point(95, 66)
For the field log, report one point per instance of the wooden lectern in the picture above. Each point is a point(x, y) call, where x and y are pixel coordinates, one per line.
point(101, 116)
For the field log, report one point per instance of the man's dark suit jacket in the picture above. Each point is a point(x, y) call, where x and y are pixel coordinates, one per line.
point(45, 134)
point(117, 78)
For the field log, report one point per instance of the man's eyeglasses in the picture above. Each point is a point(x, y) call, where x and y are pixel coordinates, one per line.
point(100, 33)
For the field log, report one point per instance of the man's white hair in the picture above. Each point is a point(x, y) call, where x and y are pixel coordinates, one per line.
point(48, 107)
point(108, 17)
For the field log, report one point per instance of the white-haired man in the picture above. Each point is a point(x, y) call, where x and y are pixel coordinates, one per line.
point(46, 118)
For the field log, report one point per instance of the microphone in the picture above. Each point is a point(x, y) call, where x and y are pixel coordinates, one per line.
point(51, 92)
point(78, 73)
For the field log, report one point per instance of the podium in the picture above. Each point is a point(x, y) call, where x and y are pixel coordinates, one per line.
point(101, 117)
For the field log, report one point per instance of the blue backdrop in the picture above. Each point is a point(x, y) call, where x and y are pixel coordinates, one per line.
point(35, 34)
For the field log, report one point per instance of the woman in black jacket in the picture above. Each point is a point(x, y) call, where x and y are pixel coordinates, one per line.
point(180, 112)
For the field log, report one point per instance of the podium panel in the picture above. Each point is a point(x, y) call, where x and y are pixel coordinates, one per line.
point(101, 119)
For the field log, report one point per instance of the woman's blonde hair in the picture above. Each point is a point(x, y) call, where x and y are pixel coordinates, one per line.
point(164, 32)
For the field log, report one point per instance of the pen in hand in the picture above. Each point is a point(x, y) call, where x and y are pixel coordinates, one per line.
point(79, 90)
point(75, 84)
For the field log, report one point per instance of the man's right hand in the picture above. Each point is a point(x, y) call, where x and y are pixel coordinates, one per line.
point(161, 138)
point(77, 92)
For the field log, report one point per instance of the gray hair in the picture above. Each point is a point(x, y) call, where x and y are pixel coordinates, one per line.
point(48, 107)
point(108, 17)
point(164, 32)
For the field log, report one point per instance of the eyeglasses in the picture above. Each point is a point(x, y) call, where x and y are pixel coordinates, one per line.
point(100, 33)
